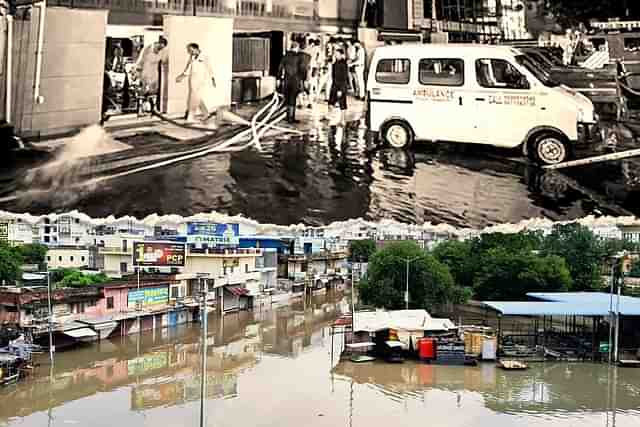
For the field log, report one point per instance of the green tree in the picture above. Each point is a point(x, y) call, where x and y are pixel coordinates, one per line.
point(583, 252)
point(430, 281)
point(507, 275)
point(10, 264)
point(457, 255)
point(33, 253)
point(361, 250)
point(71, 278)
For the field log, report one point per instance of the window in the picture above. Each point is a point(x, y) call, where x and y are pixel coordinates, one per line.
point(393, 71)
point(246, 268)
point(48, 258)
point(632, 44)
point(109, 303)
point(59, 258)
point(82, 259)
point(124, 246)
point(498, 73)
point(174, 292)
point(71, 258)
point(47, 239)
point(123, 267)
point(441, 72)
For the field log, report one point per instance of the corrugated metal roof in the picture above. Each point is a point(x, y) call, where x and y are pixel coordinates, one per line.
point(567, 304)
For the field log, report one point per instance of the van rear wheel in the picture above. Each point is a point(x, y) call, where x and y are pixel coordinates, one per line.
point(549, 148)
point(397, 134)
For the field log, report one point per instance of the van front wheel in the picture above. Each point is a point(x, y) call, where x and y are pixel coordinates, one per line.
point(397, 134)
point(550, 149)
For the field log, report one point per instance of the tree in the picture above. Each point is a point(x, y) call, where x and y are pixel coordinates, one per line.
point(457, 255)
point(507, 275)
point(430, 281)
point(71, 278)
point(10, 264)
point(33, 253)
point(361, 250)
point(583, 252)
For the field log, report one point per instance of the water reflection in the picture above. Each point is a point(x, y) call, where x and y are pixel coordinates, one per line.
point(273, 368)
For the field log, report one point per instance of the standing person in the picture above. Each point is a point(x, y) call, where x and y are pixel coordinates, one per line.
point(314, 70)
point(304, 67)
point(358, 70)
point(340, 86)
point(150, 66)
point(202, 86)
point(289, 74)
point(325, 80)
point(351, 57)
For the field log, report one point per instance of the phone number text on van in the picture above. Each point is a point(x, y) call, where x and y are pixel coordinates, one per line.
point(523, 101)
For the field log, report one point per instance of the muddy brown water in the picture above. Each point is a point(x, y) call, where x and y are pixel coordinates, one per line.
point(274, 368)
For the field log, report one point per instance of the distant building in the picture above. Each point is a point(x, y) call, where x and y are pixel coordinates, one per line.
point(69, 257)
point(630, 233)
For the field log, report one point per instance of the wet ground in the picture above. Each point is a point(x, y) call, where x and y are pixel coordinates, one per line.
point(334, 177)
point(274, 368)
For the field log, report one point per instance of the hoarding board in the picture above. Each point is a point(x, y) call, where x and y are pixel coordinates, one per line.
point(4, 231)
point(148, 296)
point(159, 254)
point(213, 234)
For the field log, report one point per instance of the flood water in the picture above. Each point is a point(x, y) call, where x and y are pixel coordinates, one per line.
point(300, 180)
point(274, 368)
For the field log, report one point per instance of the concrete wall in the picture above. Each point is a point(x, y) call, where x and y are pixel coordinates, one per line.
point(340, 9)
point(67, 258)
point(72, 70)
point(215, 37)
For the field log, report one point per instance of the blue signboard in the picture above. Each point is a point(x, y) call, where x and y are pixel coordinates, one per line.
point(148, 296)
point(213, 234)
point(212, 229)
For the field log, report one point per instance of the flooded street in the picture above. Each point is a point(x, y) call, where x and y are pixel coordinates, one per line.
point(318, 181)
point(274, 369)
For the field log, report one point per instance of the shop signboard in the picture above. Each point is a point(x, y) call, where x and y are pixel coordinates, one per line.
point(4, 231)
point(147, 363)
point(213, 234)
point(148, 296)
point(159, 254)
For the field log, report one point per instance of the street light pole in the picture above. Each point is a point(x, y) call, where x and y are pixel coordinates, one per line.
point(203, 384)
point(406, 292)
point(50, 315)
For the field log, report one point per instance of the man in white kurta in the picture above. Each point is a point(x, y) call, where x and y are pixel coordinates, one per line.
point(202, 88)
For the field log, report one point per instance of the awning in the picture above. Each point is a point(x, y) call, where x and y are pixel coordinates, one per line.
point(81, 333)
point(238, 290)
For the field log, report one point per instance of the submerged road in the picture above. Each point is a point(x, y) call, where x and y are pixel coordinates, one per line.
point(274, 369)
point(332, 177)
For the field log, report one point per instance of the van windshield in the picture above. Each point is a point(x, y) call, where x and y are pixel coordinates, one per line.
point(537, 70)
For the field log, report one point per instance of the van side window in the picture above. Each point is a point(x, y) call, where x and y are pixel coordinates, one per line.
point(499, 74)
point(393, 71)
point(441, 72)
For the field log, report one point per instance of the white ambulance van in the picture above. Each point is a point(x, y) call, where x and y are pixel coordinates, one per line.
point(492, 95)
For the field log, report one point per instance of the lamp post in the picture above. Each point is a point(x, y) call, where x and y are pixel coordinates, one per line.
point(406, 292)
point(50, 318)
point(203, 383)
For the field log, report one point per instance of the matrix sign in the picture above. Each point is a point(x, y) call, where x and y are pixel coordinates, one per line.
point(159, 254)
point(212, 233)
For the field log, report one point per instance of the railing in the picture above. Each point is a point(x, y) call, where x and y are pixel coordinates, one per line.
point(245, 8)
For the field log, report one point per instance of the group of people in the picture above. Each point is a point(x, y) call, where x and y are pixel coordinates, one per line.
point(310, 69)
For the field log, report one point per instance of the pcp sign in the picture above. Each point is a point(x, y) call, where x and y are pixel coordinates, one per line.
point(159, 254)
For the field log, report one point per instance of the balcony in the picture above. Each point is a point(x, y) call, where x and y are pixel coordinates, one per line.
point(298, 10)
point(113, 250)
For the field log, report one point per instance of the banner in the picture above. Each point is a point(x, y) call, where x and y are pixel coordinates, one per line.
point(159, 254)
point(213, 234)
point(148, 296)
point(4, 231)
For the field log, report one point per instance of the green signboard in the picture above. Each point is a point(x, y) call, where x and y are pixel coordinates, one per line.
point(148, 296)
point(148, 363)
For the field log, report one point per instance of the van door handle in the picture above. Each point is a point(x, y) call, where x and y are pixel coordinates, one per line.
point(480, 99)
point(460, 100)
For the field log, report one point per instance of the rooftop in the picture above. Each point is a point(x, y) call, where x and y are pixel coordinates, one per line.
point(567, 304)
